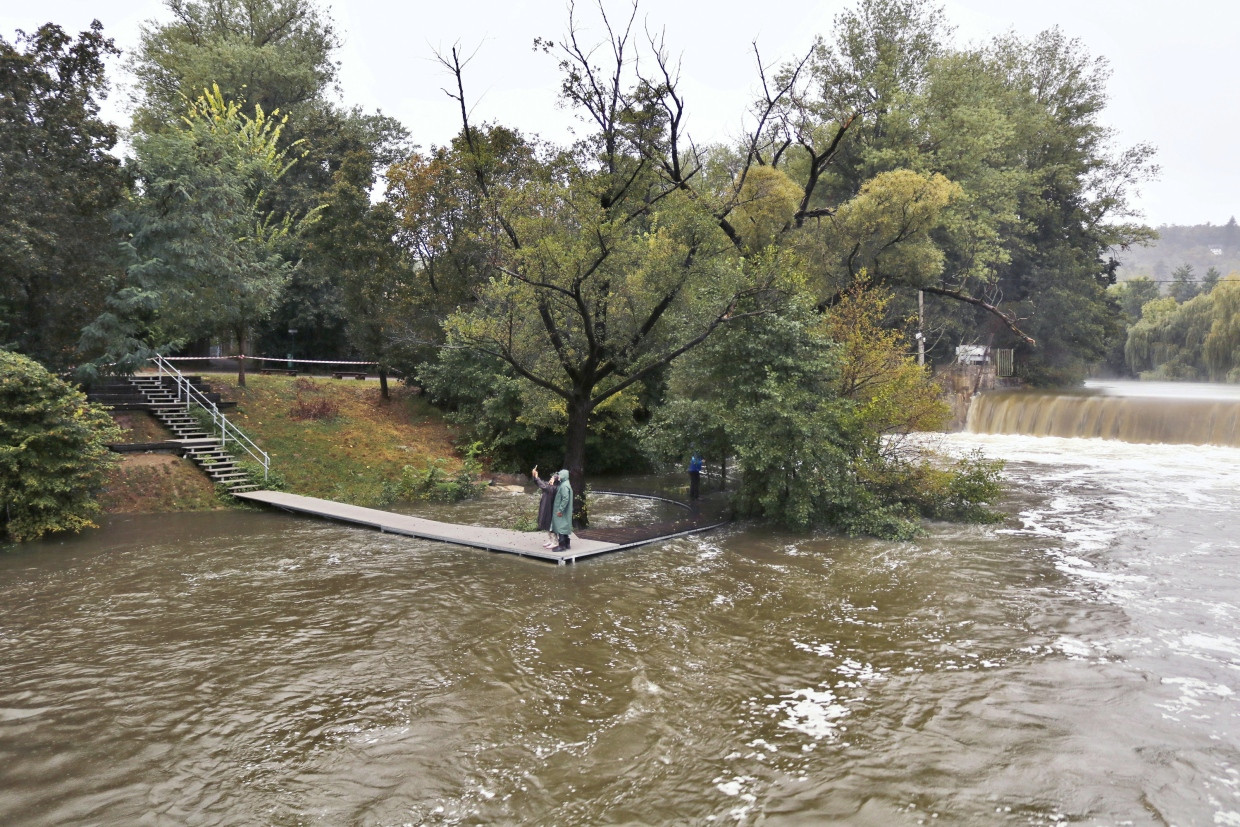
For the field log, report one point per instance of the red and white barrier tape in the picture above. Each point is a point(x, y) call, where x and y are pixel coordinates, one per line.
point(265, 359)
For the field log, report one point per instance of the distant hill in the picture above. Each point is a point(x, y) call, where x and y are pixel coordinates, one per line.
point(1203, 246)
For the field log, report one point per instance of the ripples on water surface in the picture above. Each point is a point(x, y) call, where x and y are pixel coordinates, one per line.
point(1077, 664)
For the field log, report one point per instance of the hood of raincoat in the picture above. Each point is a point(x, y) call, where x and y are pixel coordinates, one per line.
point(563, 474)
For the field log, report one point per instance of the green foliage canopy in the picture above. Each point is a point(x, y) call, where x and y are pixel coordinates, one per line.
point(60, 184)
point(277, 55)
point(1197, 340)
point(205, 257)
point(273, 54)
point(1026, 240)
point(813, 408)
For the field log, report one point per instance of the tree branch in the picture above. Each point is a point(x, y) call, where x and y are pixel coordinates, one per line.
point(1007, 318)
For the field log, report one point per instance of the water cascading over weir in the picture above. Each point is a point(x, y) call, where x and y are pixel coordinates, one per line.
point(1127, 411)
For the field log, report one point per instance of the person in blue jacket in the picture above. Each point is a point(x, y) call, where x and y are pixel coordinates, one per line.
point(695, 475)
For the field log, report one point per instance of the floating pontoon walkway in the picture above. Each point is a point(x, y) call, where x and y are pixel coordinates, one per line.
point(524, 543)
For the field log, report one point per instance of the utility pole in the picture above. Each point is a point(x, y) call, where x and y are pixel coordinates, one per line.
point(921, 326)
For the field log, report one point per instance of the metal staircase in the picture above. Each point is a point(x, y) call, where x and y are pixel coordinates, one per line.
point(170, 398)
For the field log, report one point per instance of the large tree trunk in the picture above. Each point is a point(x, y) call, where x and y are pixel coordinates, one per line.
point(383, 386)
point(575, 457)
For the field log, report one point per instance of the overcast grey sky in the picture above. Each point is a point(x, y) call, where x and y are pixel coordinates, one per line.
point(1173, 83)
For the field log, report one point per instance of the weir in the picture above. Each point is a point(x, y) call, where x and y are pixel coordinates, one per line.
point(1130, 412)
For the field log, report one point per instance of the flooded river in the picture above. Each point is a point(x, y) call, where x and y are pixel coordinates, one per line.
point(1078, 664)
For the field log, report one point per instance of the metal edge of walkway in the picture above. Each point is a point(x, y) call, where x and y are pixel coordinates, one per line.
point(508, 541)
point(683, 533)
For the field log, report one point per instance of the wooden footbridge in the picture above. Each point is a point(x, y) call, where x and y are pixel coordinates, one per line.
point(170, 396)
point(588, 543)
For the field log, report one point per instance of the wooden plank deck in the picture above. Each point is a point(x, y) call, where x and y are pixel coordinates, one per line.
point(524, 543)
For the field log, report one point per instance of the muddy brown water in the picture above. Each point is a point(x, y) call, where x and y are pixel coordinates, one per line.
point(1078, 664)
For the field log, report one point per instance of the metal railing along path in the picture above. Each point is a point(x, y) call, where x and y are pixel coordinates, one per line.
point(190, 395)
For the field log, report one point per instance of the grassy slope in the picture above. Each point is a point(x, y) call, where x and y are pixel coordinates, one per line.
point(353, 456)
point(337, 438)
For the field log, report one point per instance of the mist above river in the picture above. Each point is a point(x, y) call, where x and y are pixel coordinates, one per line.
point(1077, 663)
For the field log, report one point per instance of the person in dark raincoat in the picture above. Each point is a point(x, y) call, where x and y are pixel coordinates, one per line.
point(546, 505)
point(562, 515)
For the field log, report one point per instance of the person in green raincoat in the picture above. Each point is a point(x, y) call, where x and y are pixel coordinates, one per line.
point(562, 511)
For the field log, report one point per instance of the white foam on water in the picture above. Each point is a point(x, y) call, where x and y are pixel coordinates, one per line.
point(812, 712)
point(1211, 643)
point(825, 650)
point(1194, 694)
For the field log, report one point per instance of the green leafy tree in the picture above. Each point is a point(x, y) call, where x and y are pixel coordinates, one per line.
point(1221, 346)
point(1184, 284)
point(1025, 242)
point(206, 259)
point(1196, 340)
point(328, 140)
point(274, 54)
point(61, 183)
point(1073, 200)
point(603, 269)
point(355, 238)
point(1156, 340)
point(1134, 294)
point(1211, 279)
point(445, 224)
point(277, 55)
point(813, 407)
point(1131, 297)
point(53, 451)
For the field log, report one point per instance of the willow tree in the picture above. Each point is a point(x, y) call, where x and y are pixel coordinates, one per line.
point(1196, 340)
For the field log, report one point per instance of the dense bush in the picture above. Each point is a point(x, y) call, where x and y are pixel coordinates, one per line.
point(811, 408)
point(433, 481)
point(53, 451)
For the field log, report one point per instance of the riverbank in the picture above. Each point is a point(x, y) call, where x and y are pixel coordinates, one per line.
point(331, 438)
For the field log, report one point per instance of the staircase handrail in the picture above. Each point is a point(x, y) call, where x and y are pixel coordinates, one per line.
point(191, 395)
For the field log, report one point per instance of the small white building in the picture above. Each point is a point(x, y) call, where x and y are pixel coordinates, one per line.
point(972, 354)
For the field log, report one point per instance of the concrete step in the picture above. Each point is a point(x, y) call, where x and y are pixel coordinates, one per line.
point(210, 463)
